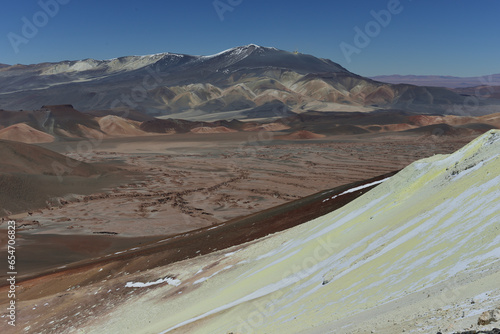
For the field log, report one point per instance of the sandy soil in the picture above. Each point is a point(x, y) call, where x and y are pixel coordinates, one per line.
point(199, 180)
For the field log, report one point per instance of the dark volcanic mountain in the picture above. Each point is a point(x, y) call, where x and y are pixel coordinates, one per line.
point(235, 83)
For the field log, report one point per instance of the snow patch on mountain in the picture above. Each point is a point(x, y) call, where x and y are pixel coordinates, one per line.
point(108, 66)
point(239, 50)
point(168, 280)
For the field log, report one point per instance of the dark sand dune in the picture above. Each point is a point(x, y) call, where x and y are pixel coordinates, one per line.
point(448, 130)
point(169, 126)
point(30, 159)
point(480, 127)
point(32, 176)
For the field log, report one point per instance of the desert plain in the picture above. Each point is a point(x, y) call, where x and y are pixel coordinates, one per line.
point(167, 185)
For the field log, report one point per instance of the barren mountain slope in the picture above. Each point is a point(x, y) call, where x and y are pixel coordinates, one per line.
point(31, 175)
point(232, 81)
point(435, 224)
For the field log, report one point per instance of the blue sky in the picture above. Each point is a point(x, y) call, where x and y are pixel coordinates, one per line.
point(445, 37)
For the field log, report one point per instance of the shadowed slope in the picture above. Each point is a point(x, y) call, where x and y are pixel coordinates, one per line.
point(32, 175)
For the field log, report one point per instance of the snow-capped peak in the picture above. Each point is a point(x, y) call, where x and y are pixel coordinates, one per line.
point(240, 49)
point(108, 66)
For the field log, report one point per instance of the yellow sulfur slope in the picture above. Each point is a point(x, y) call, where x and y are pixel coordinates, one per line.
point(437, 218)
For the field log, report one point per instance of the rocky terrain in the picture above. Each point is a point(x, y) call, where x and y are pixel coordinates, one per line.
point(399, 258)
point(111, 172)
point(173, 184)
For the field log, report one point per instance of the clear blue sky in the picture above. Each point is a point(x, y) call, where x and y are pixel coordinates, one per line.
point(445, 37)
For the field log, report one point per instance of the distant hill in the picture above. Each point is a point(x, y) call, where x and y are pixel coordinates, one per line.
point(120, 127)
point(63, 122)
point(490, 92)
point(26, 134)
point(128, 114)
point(440, 81)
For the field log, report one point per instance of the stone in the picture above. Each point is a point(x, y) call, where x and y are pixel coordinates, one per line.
point(489, 317)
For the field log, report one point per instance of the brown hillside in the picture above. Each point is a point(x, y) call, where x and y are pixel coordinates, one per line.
point(31, 177)
point(26, 134)
point(29, 159)
point(119, 127)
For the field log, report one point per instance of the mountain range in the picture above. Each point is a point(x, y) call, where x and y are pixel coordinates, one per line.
point(441, 80)
point(242, 82)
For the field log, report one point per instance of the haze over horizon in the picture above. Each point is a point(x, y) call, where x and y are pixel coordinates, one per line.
point(419, 38)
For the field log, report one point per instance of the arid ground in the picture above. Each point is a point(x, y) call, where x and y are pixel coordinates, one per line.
point(191, 181)
point(186, 195)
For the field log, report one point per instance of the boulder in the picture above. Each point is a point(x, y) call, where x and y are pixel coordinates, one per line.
point(489, 317)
